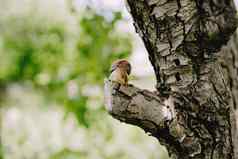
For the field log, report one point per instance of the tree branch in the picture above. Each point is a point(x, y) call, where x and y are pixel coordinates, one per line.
point(155, 114)
point(136, 106)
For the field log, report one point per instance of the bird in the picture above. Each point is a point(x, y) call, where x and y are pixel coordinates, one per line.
point(120, 71)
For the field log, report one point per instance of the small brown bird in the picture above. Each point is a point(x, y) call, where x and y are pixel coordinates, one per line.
point(120, 70)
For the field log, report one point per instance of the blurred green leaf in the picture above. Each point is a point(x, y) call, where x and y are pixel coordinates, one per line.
point(59, 62)
point(67, 154)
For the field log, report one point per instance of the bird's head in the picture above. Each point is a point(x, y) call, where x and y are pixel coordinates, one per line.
point(122, 64)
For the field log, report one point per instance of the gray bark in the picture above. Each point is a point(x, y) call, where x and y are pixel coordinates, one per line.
point(192, 112)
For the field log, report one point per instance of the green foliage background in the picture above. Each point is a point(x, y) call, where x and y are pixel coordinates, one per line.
point(37, 53)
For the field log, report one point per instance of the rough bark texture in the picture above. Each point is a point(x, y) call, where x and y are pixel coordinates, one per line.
point(134, 104)
point(192, 112)
point(229, 63)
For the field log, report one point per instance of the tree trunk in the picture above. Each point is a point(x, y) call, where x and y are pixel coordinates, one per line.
point(192, 112)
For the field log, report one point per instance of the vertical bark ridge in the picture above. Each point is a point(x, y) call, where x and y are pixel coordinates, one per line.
point(229, 62)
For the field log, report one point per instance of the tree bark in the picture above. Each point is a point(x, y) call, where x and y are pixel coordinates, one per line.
point(228, 58)
point(192, 112)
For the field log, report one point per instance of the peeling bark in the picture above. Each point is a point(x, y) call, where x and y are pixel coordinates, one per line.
point(196, 79)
